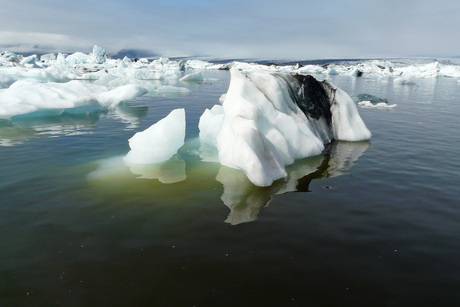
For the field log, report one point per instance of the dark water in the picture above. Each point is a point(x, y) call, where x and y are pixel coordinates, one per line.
point(372, 223)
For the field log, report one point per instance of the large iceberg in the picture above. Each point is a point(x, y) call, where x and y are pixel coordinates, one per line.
point(268, 120)
point(159, 142)
point(24, 96)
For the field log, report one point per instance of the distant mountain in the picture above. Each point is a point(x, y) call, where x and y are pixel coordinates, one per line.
point(134, 53)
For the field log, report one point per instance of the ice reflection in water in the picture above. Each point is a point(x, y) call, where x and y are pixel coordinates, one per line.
point(68, 122)
point(167, 172)
point(245, 200)
point(129, 114)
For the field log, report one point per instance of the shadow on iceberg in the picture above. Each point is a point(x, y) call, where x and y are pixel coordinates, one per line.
point(245, 199)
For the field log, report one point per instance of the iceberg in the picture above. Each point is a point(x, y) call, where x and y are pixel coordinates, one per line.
point(113, 97)
point(30, 61)
point(24, 96)
point(268, 120)
point(380, 105)
point(159, 142)
point(195, 77)
point(98, 56)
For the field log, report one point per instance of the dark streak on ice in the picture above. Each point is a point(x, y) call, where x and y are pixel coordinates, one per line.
point(312, 97)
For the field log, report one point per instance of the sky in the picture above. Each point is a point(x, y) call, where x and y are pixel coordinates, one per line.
point(259, 29)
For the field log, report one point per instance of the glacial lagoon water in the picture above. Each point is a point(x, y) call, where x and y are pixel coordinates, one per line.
point(370, 223)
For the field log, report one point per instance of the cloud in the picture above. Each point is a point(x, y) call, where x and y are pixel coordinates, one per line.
point(275, 29)
point(39, 42)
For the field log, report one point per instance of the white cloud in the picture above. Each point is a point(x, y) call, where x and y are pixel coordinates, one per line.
point(40, 42)
point(269, 28)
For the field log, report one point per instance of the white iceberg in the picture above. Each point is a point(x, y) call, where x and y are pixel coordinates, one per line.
point(24, 97)
point(379, 105)
point(159, 142)
point(121, 93)
point(261, 127)
point(98, 56)
point(195, 77)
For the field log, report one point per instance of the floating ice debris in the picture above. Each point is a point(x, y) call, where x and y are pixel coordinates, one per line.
point(172, 90)
point(126, 92)
point(195, 77)
point(159, 142)
point(371, 98)
point(24, 97)
point(379, 105)
point(98, 56)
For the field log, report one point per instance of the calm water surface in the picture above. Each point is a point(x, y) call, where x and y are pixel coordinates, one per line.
point(371, 223)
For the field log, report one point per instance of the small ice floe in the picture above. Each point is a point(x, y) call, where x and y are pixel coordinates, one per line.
point(159, 142)
point(195, 77)
point(380, 105)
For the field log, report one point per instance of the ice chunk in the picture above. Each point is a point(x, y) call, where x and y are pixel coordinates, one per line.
point(347, 125)
point(371, 98)
point(195, 77)
point(98, 56)
point(159, 142)
point(48, 57)
point(172, 90)
point(257, 135)
point(379, 105)
point(198, 64)
point(24, 96)
point(76, 58)
point(10, 59)
point(30, 61)
point(122, 93)
point(270, 120)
